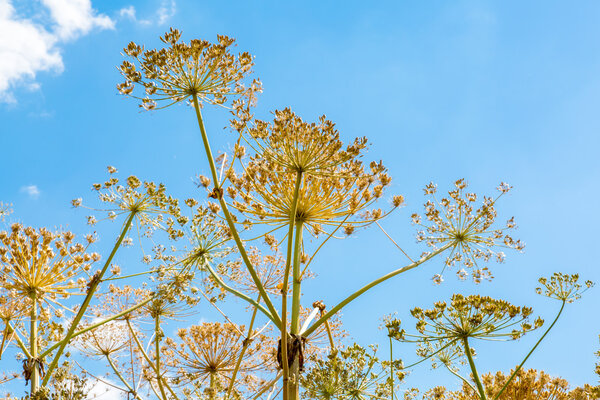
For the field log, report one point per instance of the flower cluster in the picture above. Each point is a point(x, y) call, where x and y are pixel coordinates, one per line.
point(204, 71)
point(454, 221)
point(563, 287)
point(43, 265)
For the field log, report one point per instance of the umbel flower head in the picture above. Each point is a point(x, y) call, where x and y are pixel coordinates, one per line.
point(335, 190)
point(210, 351)
point(42, 264)
point(148, 202)
point(477, 317)
point(207, 71)
point(106, 340)
point(563, 287)
point(469, 232)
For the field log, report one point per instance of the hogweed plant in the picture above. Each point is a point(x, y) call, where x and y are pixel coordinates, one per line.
point(447, 330)
point(294, 175)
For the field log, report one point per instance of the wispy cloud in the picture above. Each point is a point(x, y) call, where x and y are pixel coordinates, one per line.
point(163, 14)
point(31, 190)
point(32, 44)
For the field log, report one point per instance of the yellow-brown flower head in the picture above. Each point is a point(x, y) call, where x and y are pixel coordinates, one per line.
point(41, 264)
point(179, 71)
point(563, 287)
point(454, 221)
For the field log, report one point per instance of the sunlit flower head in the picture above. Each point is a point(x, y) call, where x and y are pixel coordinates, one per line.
point(477, 317)
point(468, 231)
point(563, 287)
point(148, 202)
point(106, 340)
point(180, 71)
point(43, 265)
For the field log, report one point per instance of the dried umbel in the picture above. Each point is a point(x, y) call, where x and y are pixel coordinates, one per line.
point(43, 265)
point(477, 317)
point(470, 232)
point(563, 287)
point(148, 202)
point(334, 186)
point(350, 373)
point(106, 340)
point(202, 70)
point(208, 353)
point(526, 385)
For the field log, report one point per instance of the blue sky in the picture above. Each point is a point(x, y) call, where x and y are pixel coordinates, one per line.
point(488, 91)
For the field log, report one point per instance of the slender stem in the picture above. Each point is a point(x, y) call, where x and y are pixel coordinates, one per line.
point(480, 388)
point(242, 352)
point(284, 287)
point(97, 324)
point(241, 295)
point(376, 282)
point(453, 372)
point(531, 351)
point(20, 341)
point(391, 369)
point(295, 326)
point(227, 215)
point(267, 386)
point(157, 336)
point(88, 298)
point(120, 376)
point(33, 346)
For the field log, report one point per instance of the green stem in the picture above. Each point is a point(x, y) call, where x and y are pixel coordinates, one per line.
point(19, 341)
point(284, 287)
point(33, 346)
point(242, 352)
point(120, 376)
point(480, 388)
point(88, 298)
point(376, 282)
point(97, 324)
point(227, 215)
point(453, 372)
point(531, 351)
point(391, 369)
point(157, 336)
point(241, 295)
point(295, 328)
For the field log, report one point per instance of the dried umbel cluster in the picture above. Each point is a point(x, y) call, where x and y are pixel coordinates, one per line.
point(478, 317)
point(148, 202)
point(563, 287)
point(334, 188)
point(350, 373)
point(469, 232)
point(105, 340)
point(207, 354)
point(43, 265)
point(205, 71)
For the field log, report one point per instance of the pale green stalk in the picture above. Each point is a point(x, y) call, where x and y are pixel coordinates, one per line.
point(242, 352)
point(120, 376)
point(267, 386)
point(227, 215)
point(157, 336)
point(391, 368)
point(284, 287)
point(376, 282)
point(531, 351)
point(20, 342)
point(33, 345)
point(480, 388)
point(88, 298)
point(295, 325)
point(453, 372)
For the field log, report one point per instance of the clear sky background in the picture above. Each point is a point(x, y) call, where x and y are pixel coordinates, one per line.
point(489, 91)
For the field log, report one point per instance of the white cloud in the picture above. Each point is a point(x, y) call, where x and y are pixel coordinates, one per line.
point(103, 391)
point(28, 46)
point(31, 190)
point(165, 11)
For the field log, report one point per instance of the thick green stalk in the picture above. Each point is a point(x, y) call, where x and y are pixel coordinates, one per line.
point(242, 352)
point(33, 346)
point(531, 351)
point(284, 287)
point(230, 223)
point(376, 282)
point(480, 388)
point(88, 298)
point(295, 328)
point(157, 336)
